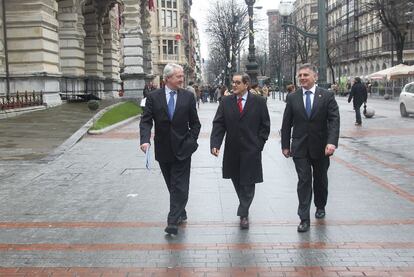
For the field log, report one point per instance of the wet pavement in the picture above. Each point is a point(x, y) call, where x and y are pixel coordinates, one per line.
point(94, 210)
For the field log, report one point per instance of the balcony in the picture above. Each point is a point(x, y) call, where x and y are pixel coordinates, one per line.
point(170, 57)
point(369, 29)
point(169, 30)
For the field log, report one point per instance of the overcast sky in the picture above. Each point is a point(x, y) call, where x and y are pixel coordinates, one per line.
point(200, 8)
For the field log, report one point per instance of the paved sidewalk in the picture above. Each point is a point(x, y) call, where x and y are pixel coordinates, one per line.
point(96, 210)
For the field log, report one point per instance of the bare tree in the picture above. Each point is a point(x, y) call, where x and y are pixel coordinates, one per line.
point(397, 17)
point(227, 29)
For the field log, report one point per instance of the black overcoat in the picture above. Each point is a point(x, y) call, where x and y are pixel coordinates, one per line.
point(359, 94)
point(246, 134)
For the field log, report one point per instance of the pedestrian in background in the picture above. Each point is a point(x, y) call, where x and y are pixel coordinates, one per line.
point(359, 95)
point(191, 89)
point(244, 119)
point(313, 114)
point(173, 110)
point(290, 88)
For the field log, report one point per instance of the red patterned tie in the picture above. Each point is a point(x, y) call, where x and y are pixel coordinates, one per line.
point(240, 104)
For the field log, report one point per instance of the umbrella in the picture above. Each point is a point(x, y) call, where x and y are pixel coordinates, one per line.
point(388, 73)
point(402, 72)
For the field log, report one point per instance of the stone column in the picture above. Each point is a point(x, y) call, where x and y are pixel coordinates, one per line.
point(111, 53)
point(146, 30)
point(94, 41)
point(33, 47)
point(71, 45)
point(133, 73)
point(2, 55)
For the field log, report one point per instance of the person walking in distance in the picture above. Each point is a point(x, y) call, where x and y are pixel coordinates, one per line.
point(313, 114)
point(177, 126)
point(243, 118)
point(360, 95)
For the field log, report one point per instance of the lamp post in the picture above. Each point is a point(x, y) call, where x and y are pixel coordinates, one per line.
point(285, 9)
point(252, 68)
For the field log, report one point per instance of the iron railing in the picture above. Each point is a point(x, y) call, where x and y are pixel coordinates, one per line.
point(21, 100)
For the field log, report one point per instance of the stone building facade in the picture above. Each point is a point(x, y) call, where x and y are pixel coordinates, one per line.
point(175, 39)
point(75, 46)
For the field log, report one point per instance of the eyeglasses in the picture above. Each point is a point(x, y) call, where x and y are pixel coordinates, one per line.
point(237, 82)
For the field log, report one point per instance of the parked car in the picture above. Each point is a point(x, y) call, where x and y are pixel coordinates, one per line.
point(407, 100)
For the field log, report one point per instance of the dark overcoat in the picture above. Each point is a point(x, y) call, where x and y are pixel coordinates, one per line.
point(310, 135)
point(358, 94)
point(176, 138)
point(246, 134)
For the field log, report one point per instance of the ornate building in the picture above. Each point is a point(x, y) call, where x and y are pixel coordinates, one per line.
point(175, 39)
point(359, 43)
point(69, 47)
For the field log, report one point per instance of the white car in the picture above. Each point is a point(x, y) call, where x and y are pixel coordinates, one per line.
point(407, 100)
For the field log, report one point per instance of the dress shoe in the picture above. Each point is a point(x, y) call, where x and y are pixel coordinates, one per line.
point(320, 213)
point(171, 229)
point(244, 223)
point(304, 226)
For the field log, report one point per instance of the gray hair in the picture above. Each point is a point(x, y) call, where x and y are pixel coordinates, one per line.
point(169, 70)
point(308, 66)
point(245, 77)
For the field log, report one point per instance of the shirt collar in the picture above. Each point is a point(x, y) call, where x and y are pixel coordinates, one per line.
point(167, 90)
point(312, 89)
point(244, 96)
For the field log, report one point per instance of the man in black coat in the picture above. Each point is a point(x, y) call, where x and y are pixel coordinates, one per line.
point(313, 114)
point(173, 110)
point(360, 95)
point(244, 119)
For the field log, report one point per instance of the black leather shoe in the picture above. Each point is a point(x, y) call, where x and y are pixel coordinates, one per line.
point(171, 229)
point(244, 223)
point(304, 226)
point(320, 213)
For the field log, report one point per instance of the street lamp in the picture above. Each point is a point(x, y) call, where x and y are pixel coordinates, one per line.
point(285, 9)
point(252, 66)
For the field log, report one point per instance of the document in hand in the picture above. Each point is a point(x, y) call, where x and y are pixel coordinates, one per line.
point(148, 157)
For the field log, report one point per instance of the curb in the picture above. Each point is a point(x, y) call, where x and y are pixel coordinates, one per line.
point(77, 136)
point(114, 126)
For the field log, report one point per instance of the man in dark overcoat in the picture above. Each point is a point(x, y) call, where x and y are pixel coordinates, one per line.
point(313, 114)
point(359, 95)
point(244, 118)
point(174, 112)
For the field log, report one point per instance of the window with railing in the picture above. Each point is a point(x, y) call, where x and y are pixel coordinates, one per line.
point(169, 16)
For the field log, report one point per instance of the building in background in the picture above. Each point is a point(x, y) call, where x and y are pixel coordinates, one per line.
point(65, 48)
point(175, 39)
point(358, 43)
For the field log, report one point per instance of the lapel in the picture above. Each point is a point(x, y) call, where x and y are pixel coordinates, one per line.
point(299, 100)
point(234, 107)
point(316, 101)
point(247, 104)
point(163, 100)
point(180, 101)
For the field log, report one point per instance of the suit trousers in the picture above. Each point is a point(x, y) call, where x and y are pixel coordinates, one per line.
point(177, 177)
point(245, 193)
point(306, 168)
point(357, 109)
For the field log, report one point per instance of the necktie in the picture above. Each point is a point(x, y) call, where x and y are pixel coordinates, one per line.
point(308, 106)
point(171, 105)
point(240, 104)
